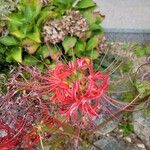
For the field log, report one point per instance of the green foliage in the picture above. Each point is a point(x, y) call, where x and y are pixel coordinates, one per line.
point(139, 51)
point(9, 41)
point(3, 63)
point(85, 4)
point(68, 43)
point(143, 87)
point(142, 50)
point(92, 43)
point(87, 45)
point(127, 128)
point(24, 27)
point(128, 96)
point(127, 66)
point(15, 54)
point(147, 111)
point(126, 125)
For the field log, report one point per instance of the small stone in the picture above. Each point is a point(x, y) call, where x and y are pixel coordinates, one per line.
point(141, 123)
point(113, 143)
point(128, 139)
point(120, 130)
point(141, 145)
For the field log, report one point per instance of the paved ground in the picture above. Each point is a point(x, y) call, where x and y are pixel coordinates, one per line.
point(126, 16)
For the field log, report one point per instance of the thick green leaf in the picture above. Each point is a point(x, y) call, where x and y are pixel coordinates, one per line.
point(92, 43)
point(85, 4)
point(15, 54)
point(69, 42)
point(9, 41)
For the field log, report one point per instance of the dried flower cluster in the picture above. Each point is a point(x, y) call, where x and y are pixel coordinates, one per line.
point(7, 6)
point(103, 45)
point(73, 24)
point(44, 2)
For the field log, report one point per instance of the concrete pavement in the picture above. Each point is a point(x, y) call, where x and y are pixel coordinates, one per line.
point(130, 18)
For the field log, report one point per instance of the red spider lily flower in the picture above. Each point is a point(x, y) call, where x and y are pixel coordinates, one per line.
point(79, 89)
point(74, 89)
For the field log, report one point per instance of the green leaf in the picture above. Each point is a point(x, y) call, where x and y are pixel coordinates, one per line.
point(28, 14)
point(44, 15)
point(63, 4)
point(30, 60)
point(35, 6)
point(15, 54)
point(43, 52)
point(80, 46)
point(69, 42)
point(92, 43)
point(16, 19)
point(85, 4)
point(96, 27)
point(9, 41)
point(79, 54)
point(88, 15)
point(94, 54)
point(70, 52)
point(35, 36)
point(16, 31)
